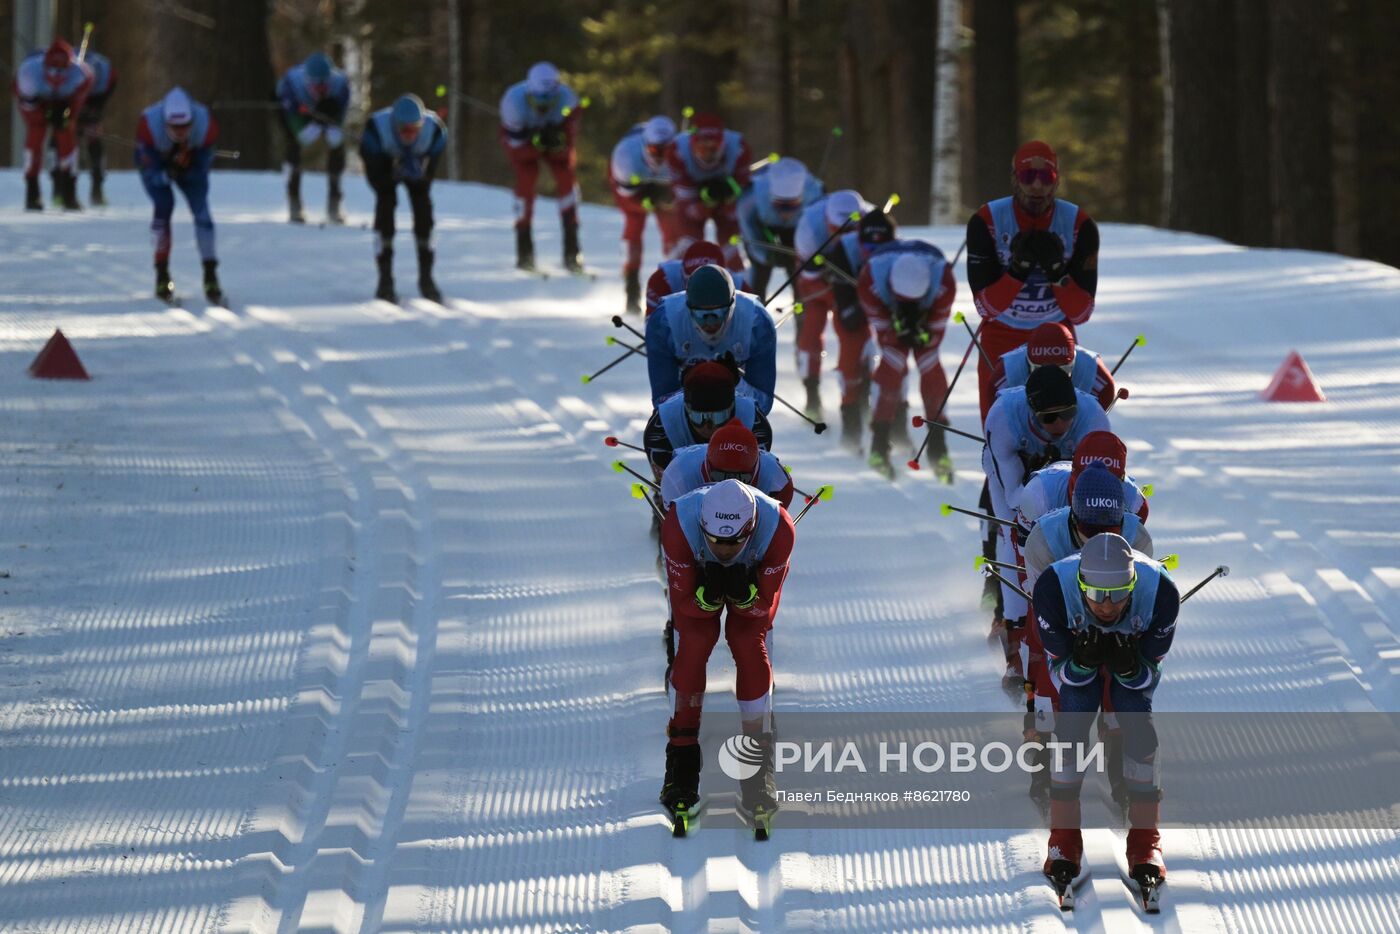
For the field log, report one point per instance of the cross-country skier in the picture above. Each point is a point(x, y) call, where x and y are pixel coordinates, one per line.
point(710, 321)
point(693, 415)
point(813, 288)
point(709, 171)
point(1052, 486)
point(1097, 508)
point(672, 275)
point(768, 213)
point(539, 124)
point(1031, 258)
point(732, 453)
point(727, 548)
point(1052, 344)
point(906, 292)
point(402, 144)
point(1026, 429)
point(104, 83)
point(175, 149)
point(1106, 617)
point(641, 185)
point(315, 97)
point(51, 88)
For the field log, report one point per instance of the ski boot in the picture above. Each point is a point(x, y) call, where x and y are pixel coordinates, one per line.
point(165, 286)
point(813, 408)
point(851, 427)
point(295, 214)
point(524, 248)
point(880, 449)
point(1145, 863)
point(633, 278)
point(66, 191)
point(33, 199)
point(571, 261)
point(334, 215)
point(426, 286)
point(758, 798)
point(938, 455)
point(1012, 681)
point(385, 262)
point(1064, 856)
point(212, 291)
point(97, 198)
point(680, 789)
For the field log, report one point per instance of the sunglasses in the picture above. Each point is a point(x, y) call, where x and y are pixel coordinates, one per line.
point(1109, 594)
point(709, 317)
point(1067, 368)
point(1029, 176)
point(731, 540)
point(1063, 415)
point(710, 418)
point(718, 476)
point(409, 133)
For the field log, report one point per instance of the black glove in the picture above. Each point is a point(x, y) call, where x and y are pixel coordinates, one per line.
point(1049, 252)
point(716, 191)
point(655, 192)
point(1124, 660)
point(58, 117)
point(909, 321)
point(852, 317)
point(181, 158)
point(715, 576)
point(551, 139)
point(1092, 648)
point(1022, 257)
point(328, 107)
point(728, 361)
point(737, 581)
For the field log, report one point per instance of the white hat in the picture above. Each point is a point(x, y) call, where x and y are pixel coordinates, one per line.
point(658, 131)
point(1107, 561)
point(728, 510)
point(541, 79)
point(177, 107)
point(786, 179)
point(840, 205)
point(909, 276)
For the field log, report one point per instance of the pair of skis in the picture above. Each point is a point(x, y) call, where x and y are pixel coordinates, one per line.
point(1145, 880)
point(684, 818)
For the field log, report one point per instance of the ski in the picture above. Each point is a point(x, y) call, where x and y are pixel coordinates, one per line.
point(1148, 884)
point(762, 824)
point(683, 818)
point(534, 272)
point(1066, 882)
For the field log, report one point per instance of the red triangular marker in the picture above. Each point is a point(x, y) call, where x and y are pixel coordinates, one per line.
point(1293, 382)
point(58, 360)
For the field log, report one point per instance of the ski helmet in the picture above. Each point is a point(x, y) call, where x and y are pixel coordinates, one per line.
point(59, 55)
point(909, 277)
point(1097, 505)
point(1050, 344)
point(317, 68)
point(840, 205)
point(1106, 570)
point(658, 131)
point(700, 253)
point(541, 79)
point(177, 108)
point(787, 178)
point(407, 117)
point(1049, 389)
point(710, 296)
point(876, 228)
point(732, 453)
point(728, 511)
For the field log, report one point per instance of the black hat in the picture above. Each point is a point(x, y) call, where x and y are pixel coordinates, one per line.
point(1050, 388)
point(876, 228)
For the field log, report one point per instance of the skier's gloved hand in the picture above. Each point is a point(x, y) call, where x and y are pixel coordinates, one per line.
point(58, 116)
point(718, 190)
point(1091, 648)
point(180, 158)
point(1022, 257)
point(1124, 659)
point(309, 133)
point(707, 602)
point(1049, 252)
point(909, 321)
point(551, 139)
point(852, 317)
point(714, 576)
point(728, 361)
point(739, 585)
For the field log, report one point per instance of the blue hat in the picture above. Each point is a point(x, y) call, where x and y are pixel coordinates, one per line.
point(318, 67)
point(1098, 498)
point(408, 111)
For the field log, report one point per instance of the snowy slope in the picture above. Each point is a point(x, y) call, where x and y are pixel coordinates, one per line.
point(325, 614)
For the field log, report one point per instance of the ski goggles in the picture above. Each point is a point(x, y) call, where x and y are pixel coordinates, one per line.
point(719, 476)
point(1089, 531)
point(1029, 176)
point(408, 132)
point(743, 536)
point(1059, 415)
point(709, 418)
point(709, 319)
point(1109, 594)
point(1066, 368)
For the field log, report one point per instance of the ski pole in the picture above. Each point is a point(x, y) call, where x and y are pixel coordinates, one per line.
point(836, 134)
point(640, 492)
point(614, 442)
point(776, 247)
point(920, 421)
point(818, 427)
point(1122, 393)
point(619, 323)
point(619, 467)
point(842, 274)
point(590, 378)
point(635, 348)
point(443, 90)
point(890, 202)
point(823, 492)
point(810, 503)
point(766, 160)
point(914, 464)
point(1139, 341)
point(948, 508)
point(1221, 571)
point(978, 561)
point(958, 255)
point(961, 318)
point(987, 571)
point(87, 34)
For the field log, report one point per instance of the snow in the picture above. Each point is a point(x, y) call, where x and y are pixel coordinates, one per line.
point(329, 614)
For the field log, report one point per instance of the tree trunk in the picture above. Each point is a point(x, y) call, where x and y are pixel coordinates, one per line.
point(996, 88)
point(1141, 192)
point(1255, 181)
point(1377, 130)
point(1301, 141)
point(945, 193)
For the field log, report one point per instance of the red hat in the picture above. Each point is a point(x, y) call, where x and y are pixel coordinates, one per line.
point(59, 55)
point(709, 387)
point(1050, 344)
point(1031, 151)
point(1099, 447)
point(733, 449)
point(707, 126)
point(700, 253)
